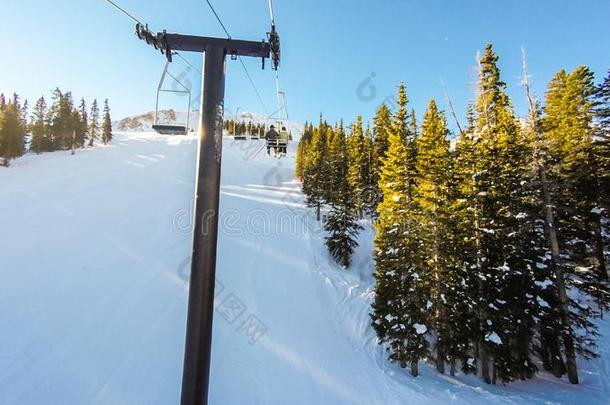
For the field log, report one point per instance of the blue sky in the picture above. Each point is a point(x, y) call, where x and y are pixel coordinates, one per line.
point(330, 48)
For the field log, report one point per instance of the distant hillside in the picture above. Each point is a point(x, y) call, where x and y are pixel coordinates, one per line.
point(144, 122)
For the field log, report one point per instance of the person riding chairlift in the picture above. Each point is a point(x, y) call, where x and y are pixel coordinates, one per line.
point(271, 137)
point(284, 137)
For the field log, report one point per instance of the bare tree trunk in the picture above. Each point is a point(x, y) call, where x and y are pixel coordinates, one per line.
point(599, 249)
point(73, 142)
point(414, 370)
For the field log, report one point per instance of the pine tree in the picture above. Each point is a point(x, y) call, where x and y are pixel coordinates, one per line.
point(39, 127)
point(94, 126)
point(463, 251)
point(107, 124)
point(313, 182)
point(507, 242)
point(341, 222)
point(382, 124)
point(568, 136)
point(399, 310)
point(431, 199)
point(12, 133)
point(83, 127)
point(370, 195)
point(401, 127)
point(356, 159)
point(602, 143)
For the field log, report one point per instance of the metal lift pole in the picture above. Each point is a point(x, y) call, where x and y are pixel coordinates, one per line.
point(198, 346)
point(196, 374)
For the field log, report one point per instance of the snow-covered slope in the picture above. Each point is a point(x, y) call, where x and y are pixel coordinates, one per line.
point(94, 257)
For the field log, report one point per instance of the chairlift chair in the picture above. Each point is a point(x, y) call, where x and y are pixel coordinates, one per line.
point(171, 129)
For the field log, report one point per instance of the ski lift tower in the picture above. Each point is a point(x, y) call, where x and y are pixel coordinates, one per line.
point(196, 371)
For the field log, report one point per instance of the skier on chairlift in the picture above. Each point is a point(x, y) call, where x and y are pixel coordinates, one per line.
point(271, 137)
point(284, 138)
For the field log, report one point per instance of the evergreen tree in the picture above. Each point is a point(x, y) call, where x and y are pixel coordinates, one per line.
point(399, 310)
point(431, 200)
point(601, 149)
point(313, 182)
point(370, 195)
point(94, 126)
point(463, 252)
point(61, 120)
point(107, 124)
point(39, 128)
point(401, 127)
point(356, 159)
point(83, 128)
point(341, 222)
point(506, 304)
point(572, 183)
point(382, 124)
point(12, 133)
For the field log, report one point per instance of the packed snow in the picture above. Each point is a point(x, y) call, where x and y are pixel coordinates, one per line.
point(493, 338)
point(95, 260)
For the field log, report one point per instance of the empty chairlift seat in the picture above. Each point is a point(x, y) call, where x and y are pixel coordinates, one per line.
point(175, 128)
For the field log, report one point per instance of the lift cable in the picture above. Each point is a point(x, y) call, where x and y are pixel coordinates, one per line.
point(218, 18)
point(260, 99)
point(122, 10)
point(271, 12)
point(187, 62)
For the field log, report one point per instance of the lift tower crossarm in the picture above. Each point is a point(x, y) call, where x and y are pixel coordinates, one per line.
point(191, 43)
point(168, 42)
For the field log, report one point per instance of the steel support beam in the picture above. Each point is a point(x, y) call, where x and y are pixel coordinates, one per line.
point(198, 346)
point(191, 43)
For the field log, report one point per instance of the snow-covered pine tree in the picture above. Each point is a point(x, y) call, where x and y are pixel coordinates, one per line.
point(107, 124)
point(341, 222)
point(463, 253)
point(568, 134)
point(507, 245)
point(602, 143)
point(399, 310)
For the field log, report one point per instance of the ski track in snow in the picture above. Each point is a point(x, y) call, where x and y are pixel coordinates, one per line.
point(94, 290)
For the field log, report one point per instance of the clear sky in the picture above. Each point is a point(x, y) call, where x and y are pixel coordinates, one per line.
point(330, 48)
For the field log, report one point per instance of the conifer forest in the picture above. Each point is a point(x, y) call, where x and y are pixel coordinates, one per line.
point(491, 243)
